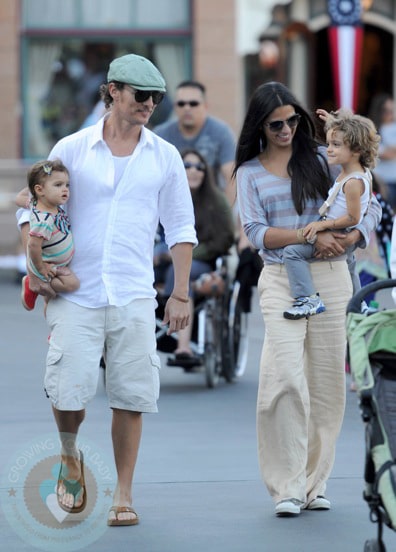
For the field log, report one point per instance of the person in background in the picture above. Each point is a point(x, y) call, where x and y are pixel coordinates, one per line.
point(194, 128)
point(393, 258)
point(373, 262)
point(50, 246)
point(215, 233)
point(282, 179)
point(382, 113)
point(123, 180)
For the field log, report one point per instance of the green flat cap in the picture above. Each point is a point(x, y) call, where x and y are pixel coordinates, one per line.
point(137, 71)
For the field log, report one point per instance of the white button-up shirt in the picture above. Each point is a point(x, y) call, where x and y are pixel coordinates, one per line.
point(114, 226)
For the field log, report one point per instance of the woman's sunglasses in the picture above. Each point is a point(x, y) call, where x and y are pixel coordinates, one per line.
point(199, 166)
point(143, 95)
point(291, 122)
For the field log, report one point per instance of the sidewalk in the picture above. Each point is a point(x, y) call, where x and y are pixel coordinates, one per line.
point(197, 486)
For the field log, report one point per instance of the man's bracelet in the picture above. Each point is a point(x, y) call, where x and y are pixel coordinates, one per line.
point(181, 299)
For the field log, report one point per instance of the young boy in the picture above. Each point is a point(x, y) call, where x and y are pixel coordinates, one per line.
point(352, 143)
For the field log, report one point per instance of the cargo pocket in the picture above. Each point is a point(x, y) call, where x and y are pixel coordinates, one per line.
point(52, 373)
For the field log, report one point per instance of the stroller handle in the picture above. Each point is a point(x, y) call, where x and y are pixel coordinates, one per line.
point(354, 304)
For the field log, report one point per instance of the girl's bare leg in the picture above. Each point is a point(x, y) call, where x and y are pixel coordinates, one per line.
point(65, 280)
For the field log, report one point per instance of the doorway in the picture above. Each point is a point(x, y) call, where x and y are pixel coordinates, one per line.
point(375, 73)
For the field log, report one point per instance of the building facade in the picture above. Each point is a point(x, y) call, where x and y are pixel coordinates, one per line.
point(54, 54)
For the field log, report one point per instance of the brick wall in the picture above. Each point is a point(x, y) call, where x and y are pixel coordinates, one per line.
point(9, 63)
point(12, 171)
point(12, 180)
point(216, 62)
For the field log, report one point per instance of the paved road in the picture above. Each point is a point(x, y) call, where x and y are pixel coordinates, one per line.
point(197, 487)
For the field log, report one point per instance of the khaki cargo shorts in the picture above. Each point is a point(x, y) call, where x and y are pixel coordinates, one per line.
point(78, 337)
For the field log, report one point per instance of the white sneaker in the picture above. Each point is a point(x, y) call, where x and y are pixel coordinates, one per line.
point(289, 507)
point(303, 307)
point(319, 503)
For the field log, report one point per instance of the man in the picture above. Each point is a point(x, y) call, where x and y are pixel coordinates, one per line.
point(123, 180)
point(194, 128)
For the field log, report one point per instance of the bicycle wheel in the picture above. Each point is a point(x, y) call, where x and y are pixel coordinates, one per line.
point(373, 546)
point(229, 345)
point(234, 338)
point(212, 354)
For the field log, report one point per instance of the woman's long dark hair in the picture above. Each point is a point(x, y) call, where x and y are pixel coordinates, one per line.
point(310, 175)
point(210, 209)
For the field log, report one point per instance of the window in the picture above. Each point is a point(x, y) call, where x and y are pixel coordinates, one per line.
point(98, 14)
point(62, 69)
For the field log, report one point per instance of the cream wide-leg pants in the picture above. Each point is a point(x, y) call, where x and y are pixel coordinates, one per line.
point(301, 395)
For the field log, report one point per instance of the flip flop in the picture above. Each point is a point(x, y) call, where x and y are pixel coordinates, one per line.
point(73, 487)
point(118, 510)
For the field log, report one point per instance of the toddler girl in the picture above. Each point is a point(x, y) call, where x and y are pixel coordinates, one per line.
point(50, 245)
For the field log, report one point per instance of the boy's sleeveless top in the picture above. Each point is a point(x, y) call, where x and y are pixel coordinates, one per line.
point(339, 206)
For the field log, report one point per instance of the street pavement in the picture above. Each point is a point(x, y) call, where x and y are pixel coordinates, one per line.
point(197, 485)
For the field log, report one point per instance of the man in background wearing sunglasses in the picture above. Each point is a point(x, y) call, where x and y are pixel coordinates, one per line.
point(193, 128)
point(123, 179)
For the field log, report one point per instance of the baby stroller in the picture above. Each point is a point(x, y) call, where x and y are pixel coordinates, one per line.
point(372, 357)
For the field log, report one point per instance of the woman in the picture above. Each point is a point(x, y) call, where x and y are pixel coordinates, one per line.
point(282, 179)
point(215, 233)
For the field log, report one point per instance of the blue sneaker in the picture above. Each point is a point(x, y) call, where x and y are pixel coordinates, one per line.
point(303, 307)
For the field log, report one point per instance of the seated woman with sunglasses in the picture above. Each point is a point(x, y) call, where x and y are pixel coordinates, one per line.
point(215, 233)
point(282, 180)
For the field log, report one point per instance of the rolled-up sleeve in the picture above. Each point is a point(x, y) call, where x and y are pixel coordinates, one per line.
point(22, 216)
point(176, 207)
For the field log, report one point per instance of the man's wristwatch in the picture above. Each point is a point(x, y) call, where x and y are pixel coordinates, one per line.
point(312, 241)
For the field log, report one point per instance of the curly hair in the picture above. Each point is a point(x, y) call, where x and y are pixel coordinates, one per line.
point(40, 170)
point(359, 133)
point(105, 95)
